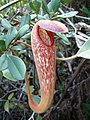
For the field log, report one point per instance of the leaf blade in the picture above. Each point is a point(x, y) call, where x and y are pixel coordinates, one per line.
point(84, 51)
point(53, 5)
point(16, 67)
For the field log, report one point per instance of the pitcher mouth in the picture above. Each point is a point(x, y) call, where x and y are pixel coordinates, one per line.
point(45, 36)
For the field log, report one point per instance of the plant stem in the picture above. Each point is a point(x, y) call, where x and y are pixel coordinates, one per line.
point(9, 4)
point(20, 42)
point(68, 58)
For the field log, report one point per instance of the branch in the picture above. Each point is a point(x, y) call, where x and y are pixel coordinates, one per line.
point(70, 82)
point(20, 42)
point(32, 116)
point(9, 4)
point(82, 17)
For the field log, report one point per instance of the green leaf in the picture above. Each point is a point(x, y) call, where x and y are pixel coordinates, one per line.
point(86, 108)
point(53, 5)
point(7, 74)
point(6, 106)
point(31, 89)
point(1, 17)
point(67, 15)
point(32, 6)
point(26, 36)
point(84, 51)
point(85, 11)
point(35, 5)
point(40, 17)
point(18, 47)
point(66, 1)
point(2, 45)
point(64, 39)
point(44, 17)
point(1, 74)
point(10, 96)
point(39, 117)
point(11, 34)
point(2, 37)
point(25, 20)
point(33, 16)
point(16, 67)
point(44, 7)
point(22, 31)
point(3, 62)
point(36, 98)
point(5, 23)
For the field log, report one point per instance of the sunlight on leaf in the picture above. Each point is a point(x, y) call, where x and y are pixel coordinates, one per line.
point(6, 106)
point(67, 15)
point(7, 74)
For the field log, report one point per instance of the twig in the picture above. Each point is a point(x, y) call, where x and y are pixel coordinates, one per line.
point(70, 82)
point(9, 4)
point(18, 41)
point(82, 17)
point(32, 116)
point(21, 92)
point(69, 21)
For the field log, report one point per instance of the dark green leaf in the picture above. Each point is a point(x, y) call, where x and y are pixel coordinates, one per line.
point(1, 74)
point(2, 45)
point(66, 1)
point(53, 5)
point(35, 5)
point(32, 6)
point(16, 67)
point(86, 11)
point(86, 107)
point(44, 7)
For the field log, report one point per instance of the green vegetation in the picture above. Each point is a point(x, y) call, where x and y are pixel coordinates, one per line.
point(16, 23)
